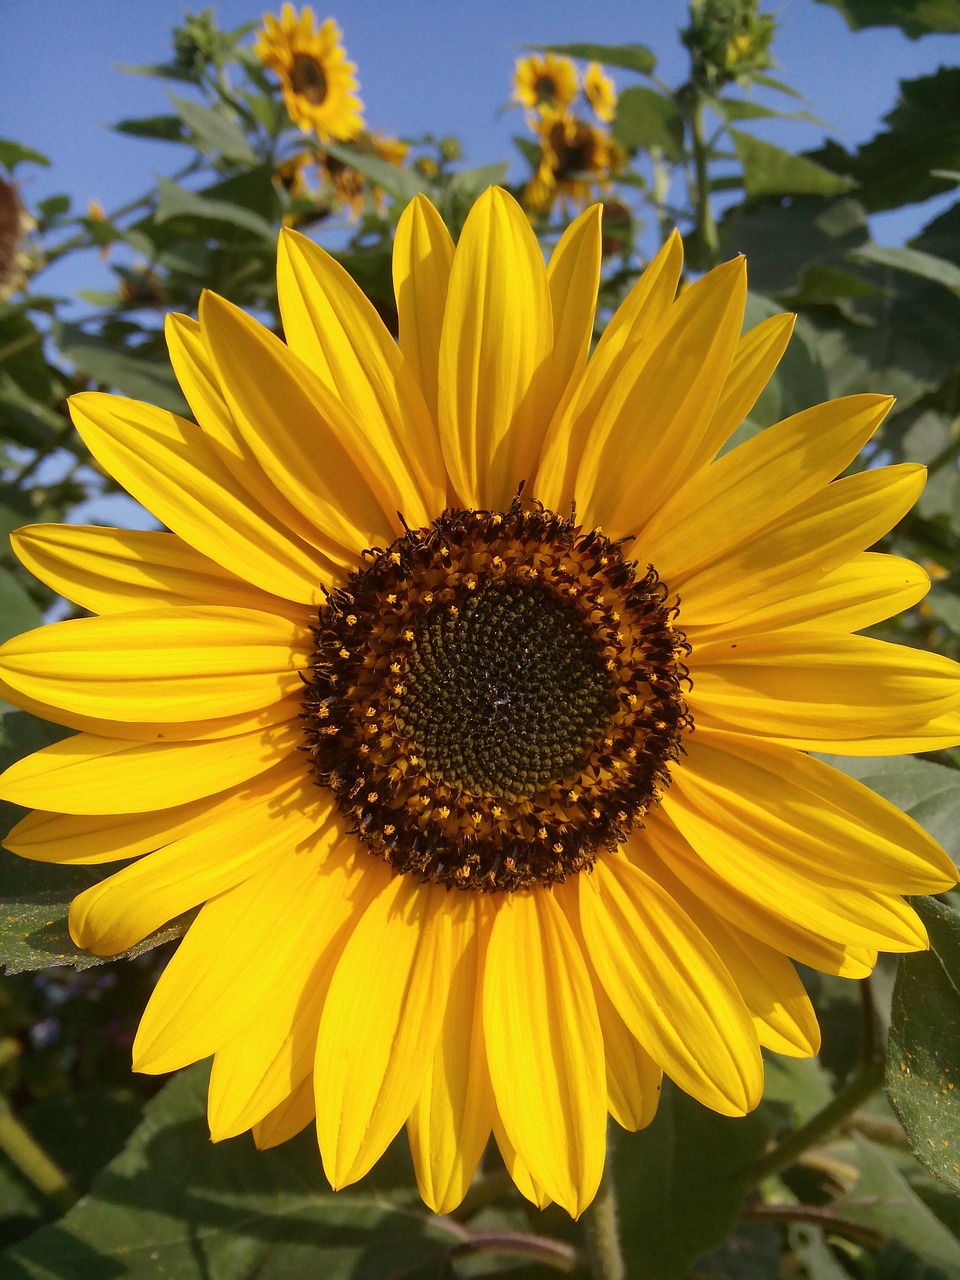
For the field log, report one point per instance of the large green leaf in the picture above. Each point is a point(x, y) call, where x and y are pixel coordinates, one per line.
point(682, 1182)
point(177, 202)
point(923, 1060)
point(914, 17)
point(213, 131)
point(402, 184)
point(769, 170)
point(135, 375)
point(18, 612)
point(782, 241)
point(174, 1205)
point(913, 261)
point(647, 119)
point(632, 57)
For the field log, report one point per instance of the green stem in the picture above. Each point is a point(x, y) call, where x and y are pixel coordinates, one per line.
point(556, 1254)
point(20, 1146)
point(706, 227)
point(862, 1085)
point(601, 1230)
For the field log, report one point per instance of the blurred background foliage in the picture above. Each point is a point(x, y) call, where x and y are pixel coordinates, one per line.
point(832, 1177)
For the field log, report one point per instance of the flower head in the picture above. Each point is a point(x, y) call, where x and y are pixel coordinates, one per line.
point(600, 92)
point(575, 158)
point(318, 81)
point(469, 698)
point(348, 186)
point(545, 82)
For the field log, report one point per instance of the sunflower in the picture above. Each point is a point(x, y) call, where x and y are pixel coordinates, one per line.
point(318, 81)
point(348, 186)
point(469, 696)
point(600, 92)
point(545, 82)
point(574, 158)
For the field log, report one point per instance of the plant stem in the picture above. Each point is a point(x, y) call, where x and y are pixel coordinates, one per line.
point(25, 1152)
point(556, 1254)
point(706, 226)
point(862, 1084)
point(601, 1230)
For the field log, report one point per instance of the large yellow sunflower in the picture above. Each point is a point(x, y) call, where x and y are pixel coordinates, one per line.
point(469, 698)
point(318, 81)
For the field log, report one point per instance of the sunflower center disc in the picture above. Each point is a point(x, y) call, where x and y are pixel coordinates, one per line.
point(495, 700)
point(308, 78)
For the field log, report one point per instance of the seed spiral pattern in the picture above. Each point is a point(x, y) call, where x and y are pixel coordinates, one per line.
point(494, 700)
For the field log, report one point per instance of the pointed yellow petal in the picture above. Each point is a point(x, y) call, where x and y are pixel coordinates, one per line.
point(160, 664)
point(544, 1047)
point(268, 820)
point(422, 258)
point(450, 1123)
point(780, 561)
point(634, 323)
point(573, 274)
point(525, 1182)
point(288, 1118)
point(661, 845)
point(115, 570)
point(494, 401)
point(91, 775)
point(670, 987)
point(748, 488)
point(380, 1025)
point(335, 330)
point(815, 690)
point(169, 466)
point(304, 911)
point(650, 429)
point(866, 589)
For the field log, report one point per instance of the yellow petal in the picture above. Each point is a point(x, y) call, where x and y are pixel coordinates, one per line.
point(335, 330)
point(851, 914)
point(422, 257)
point(450, 1123)
point(866, 589)
point(815, 690)
point(169, 466)
point(302, 912)
point(380, 1025)
point(494, 397)
point(670, 987)
point(90, 775)
point(287, 1119)
point(794, 552)
point(525, 1182)
point(301, 434)
point(268, 820)
point(661, 845)
point(160, 664)
point(573, 274)
point(722, 505)
point(115, 570)
point(651, 427)
point(634, 323)
point(757, 356)
point(544, 1047)
point(198, 377)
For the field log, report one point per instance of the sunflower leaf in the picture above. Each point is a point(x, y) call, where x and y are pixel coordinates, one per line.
point(173, 1204)
point(647, 119)
point(681, 1183)
point(771, 171)
point(402, 184)
point(923, 1077)
point(913, 19)
point(214, 132)
point(632, 57)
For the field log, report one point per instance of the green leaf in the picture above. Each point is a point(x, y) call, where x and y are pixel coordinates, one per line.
point(744, 109)
point(928, 792)
point(782, 240)
point(18, 612)
point(883, 1200)
point(469, 183)
point(914, 17)
point(160, 128)
point(402, 184)
point(176, 202)
point(771, 171)
point(214, 132)
point(681, 1183)
point(14, 153)
point(173, 1204)
point(134, 375)
point(632, 57)
point(916, 263)
point(923, 1056)
point(646, 119)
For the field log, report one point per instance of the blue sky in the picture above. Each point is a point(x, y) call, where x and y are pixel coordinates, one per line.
point(423, 65)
